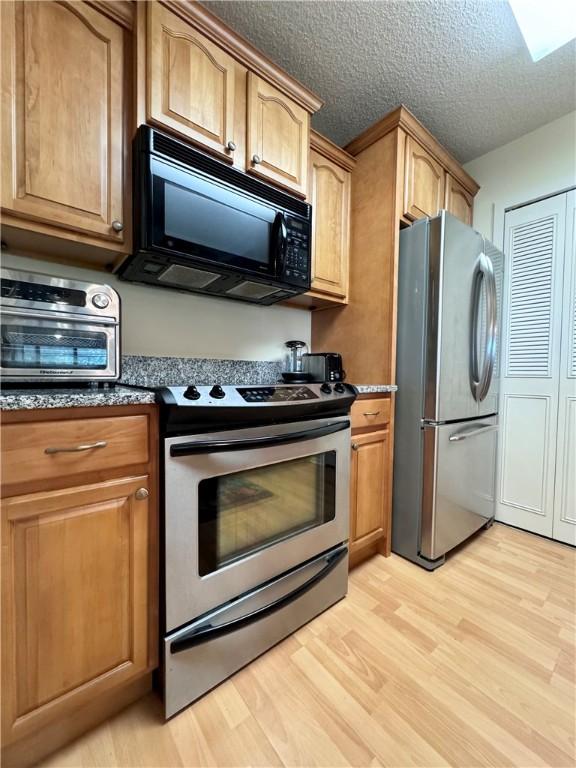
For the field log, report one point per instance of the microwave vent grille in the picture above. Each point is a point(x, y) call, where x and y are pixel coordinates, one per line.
point(177, 151)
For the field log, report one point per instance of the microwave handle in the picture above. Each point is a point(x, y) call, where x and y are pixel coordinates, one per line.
point(280, 242)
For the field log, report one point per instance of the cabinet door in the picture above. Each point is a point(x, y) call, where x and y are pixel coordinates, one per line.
point(458, 201)
point(75, 599)
point(330, 199)
point(369, 505)
point(278, 136)
point(423, 182)
point(62, 100)
point(190, 82)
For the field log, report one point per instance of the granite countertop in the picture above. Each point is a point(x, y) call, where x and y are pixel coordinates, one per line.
point(374, 389)
point(28, 399)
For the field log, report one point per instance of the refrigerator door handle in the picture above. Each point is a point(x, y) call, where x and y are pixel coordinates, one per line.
point(465, 433)
point(480, 382)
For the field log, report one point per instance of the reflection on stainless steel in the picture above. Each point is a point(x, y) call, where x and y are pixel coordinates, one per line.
point(446, 407)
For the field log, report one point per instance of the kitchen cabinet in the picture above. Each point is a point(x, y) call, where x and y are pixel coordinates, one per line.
point(64, 143)
point(370, 478)
point(330, 181)
point(278, 135)
point(191, 83)
point(213, 88)
point(458, 200)
point(423, 182)
point(79, 572)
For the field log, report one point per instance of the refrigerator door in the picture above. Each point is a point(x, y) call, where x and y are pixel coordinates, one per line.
point(489, 402)
point(458, 484)
point(460, 321)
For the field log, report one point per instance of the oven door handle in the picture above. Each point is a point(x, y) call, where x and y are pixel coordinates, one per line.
point(221, 446)
point(211, 632)
point(53, 315)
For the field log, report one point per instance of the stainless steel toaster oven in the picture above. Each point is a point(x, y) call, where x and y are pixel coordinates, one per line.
point(55, 329)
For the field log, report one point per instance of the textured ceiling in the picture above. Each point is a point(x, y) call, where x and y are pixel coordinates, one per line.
point(460, 66)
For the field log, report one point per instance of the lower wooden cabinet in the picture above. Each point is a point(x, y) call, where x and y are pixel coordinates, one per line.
point(369, 491)
point(79, 577)
point(75, 600)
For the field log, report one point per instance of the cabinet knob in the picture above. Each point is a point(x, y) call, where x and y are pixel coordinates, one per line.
point(231, 146)
point(117, 226)
point(256, 159)
point(142, 493)
point(354, 446)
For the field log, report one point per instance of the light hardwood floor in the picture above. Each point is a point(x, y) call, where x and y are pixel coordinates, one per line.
point(472, 665)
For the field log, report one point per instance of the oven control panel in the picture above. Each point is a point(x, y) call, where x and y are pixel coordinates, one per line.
point(276, 394)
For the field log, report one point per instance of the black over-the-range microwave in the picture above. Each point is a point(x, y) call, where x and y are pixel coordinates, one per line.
point(202, 226)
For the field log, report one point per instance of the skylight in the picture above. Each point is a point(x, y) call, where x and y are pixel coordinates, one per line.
point(545, 24)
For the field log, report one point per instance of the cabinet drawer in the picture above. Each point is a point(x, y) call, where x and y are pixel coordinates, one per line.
point(374, 412)
point(53, 449)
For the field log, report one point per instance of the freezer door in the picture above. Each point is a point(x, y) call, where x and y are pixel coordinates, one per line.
point(460, 314)
point(458, 484)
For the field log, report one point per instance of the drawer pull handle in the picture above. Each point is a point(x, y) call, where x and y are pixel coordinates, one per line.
point(354, 446)
point(142, 493)
point(371, 413)
point(78, 448)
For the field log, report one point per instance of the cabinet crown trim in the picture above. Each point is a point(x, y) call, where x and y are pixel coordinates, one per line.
point(331, 151)
point(401, 117)
point(121, 11)
point(234, 44)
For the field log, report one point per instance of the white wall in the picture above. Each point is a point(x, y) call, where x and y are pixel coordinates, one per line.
point(537, 164)
point(157, 321)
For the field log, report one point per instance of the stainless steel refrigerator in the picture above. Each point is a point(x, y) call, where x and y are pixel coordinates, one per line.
point(449, 297)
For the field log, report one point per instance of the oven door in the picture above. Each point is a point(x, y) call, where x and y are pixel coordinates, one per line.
point(244, 506)
point(44, 347)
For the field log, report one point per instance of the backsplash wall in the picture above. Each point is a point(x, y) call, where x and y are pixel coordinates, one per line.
point(162, 322)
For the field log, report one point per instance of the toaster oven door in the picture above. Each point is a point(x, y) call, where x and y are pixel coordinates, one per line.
point(43, 348)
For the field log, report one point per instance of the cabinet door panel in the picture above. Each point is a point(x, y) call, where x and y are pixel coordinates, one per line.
point(330, 199)
point(423, 182)
point(369, 505)
point(459, 202)
point(75, 598)
point(190, 82)
point(278, 136)
point(63, 144)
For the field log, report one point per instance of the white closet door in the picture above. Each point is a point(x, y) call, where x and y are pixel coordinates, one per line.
point(534, 247)
point(564, 527)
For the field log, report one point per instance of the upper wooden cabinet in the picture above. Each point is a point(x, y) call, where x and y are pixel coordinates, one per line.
point(63, 142)
point(190, 82)
point(329, 194)
point(278, 136)
point(458, 201)
point(423, 182)
point(211, 87)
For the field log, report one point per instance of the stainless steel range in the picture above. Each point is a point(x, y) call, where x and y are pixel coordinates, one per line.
point(256, 494)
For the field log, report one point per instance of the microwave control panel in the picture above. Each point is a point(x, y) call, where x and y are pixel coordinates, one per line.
point(297, 261)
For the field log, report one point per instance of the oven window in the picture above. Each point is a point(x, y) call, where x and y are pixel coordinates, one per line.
point(246, 511)
point(29, 347)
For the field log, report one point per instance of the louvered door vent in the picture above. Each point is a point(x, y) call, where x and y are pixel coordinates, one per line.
point(531, 284)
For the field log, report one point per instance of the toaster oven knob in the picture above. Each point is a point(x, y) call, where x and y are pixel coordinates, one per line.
point(339, 388)
point(100, 300)
point(192, 393)
point(326, 388)
point(217, 392)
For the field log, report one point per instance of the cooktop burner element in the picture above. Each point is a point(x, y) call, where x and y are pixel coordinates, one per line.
point(196, 406)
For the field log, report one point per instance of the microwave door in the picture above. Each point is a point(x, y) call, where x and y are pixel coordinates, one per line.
point(201, 219)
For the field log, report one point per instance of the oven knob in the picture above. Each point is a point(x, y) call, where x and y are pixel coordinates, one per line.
point(100, 300)
point(326, 388)
point(192, 393)
point(339, 388)
point(217, 392)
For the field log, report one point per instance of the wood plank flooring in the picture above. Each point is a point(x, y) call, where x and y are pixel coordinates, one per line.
point(472, 665)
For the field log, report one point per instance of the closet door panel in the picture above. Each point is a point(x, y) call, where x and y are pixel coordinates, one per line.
point(564, 526)
point(534, 248)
